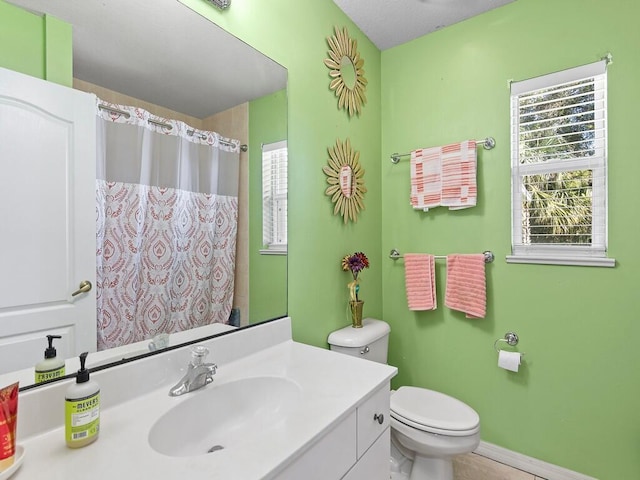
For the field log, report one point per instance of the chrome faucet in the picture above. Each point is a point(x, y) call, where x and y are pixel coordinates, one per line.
point(198, 373)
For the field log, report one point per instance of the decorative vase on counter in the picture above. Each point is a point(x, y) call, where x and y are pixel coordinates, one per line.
point(356, 313)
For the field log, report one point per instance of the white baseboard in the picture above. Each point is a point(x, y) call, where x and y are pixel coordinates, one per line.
point(531, 465)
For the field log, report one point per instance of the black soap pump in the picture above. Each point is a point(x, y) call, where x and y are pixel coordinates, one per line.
point(82, 409)
point(52, 366)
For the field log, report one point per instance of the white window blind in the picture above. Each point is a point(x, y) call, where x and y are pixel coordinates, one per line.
point(559, 168)
point(274, 197)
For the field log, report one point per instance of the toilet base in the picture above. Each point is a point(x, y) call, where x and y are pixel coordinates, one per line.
point(426, 468)
point(400, 464)
point(406, 465)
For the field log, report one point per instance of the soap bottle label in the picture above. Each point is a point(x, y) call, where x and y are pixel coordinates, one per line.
point(45, 375)
point(83, 418)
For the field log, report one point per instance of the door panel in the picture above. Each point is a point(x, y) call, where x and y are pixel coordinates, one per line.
point(47, 214)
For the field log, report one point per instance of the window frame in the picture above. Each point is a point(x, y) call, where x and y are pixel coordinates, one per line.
point(270, 246)
point(594, 254)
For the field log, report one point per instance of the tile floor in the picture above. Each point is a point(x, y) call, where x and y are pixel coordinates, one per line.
point(477, 467)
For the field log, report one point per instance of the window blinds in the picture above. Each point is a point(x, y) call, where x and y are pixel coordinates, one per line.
point(274, 195)
point(559, 162)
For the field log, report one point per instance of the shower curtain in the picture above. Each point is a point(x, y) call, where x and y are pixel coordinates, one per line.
point(167, 208)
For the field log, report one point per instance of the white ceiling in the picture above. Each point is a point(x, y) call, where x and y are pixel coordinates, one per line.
point(162, 52)
point(389, 23)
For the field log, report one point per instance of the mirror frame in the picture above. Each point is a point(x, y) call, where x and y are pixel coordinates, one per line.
point(348, 198)
point(341, 46)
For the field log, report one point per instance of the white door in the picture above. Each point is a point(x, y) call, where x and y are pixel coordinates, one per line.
point(47, 219)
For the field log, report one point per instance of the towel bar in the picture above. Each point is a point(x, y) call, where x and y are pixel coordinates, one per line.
point(488, 143)
point(488, 255)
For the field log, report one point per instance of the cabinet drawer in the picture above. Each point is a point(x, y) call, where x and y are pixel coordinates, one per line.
point(373, 418)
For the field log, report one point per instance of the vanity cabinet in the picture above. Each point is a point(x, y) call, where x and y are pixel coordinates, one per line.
point(339, 430)
point(356, 449)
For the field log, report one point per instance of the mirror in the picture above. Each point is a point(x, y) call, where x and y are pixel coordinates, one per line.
point(161, 53)
point(348, 72)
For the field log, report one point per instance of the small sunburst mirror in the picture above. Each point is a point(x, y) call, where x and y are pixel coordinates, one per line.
point(345, 177)
point(346, 72)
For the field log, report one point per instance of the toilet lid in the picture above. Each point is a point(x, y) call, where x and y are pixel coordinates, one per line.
point(433, 412)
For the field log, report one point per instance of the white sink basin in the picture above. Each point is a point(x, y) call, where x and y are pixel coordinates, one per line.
point(225, 416)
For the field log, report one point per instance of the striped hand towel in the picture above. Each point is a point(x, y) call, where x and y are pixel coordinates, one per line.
point(459, 165)
point(466, 285)
point(426, 180)
point(419, 270)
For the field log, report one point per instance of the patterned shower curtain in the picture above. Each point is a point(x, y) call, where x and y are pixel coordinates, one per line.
point(167, 207)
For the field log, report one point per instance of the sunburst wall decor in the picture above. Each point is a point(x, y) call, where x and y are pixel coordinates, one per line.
point(345, 178)
point(346, 72)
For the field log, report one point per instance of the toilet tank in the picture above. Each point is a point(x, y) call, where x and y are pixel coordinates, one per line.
point(370, 342)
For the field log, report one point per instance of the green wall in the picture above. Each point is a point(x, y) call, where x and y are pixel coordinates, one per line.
point(267, 273)
point(574, 401)
point(294, 33)
point(37, 46)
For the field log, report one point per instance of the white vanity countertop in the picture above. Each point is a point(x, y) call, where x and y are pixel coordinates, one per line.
point(331, 385)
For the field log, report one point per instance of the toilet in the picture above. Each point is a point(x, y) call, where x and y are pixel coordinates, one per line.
point(427, 427)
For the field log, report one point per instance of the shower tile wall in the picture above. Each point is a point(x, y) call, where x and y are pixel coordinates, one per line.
point(476, 467)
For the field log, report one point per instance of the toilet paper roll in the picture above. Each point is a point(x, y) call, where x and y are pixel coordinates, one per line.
point(509, 360)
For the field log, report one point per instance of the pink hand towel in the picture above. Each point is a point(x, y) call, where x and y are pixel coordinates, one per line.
point(419, 270)
point(426, 179)
point(466, 285)
point(459, 165)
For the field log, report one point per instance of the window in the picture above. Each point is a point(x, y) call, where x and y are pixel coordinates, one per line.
point(274, 198)
point(559, 168)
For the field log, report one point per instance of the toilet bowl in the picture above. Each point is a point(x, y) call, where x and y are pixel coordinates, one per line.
point(427, 427)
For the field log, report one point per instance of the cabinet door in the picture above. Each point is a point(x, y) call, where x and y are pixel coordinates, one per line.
point(375, 463)
point(373, 418)
point(47, 213)
point(329, 458)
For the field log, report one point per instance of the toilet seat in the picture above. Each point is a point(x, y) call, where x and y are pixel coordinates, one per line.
point(434, 412)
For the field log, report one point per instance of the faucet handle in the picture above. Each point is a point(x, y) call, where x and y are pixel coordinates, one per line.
point(198, 353)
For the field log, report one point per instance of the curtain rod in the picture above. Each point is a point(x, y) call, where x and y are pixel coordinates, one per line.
point(488, 143)
point(190, 131)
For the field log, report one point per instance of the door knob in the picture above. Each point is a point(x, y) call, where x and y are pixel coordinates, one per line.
point(84, 287)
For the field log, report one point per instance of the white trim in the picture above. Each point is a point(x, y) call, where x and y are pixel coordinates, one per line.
point(559, 78)
point(274, 250)
point(270, 147)
point(527, 464)
point(562, 260)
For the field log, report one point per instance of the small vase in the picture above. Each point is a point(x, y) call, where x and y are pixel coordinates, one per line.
point(356, 313)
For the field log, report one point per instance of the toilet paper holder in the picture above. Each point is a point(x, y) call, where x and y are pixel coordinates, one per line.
point(511, 338)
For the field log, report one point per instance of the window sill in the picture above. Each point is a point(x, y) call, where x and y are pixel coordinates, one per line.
point(274, 251)
point(563, 260)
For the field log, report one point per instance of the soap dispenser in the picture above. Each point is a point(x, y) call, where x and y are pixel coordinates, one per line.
point(82, 409)
point(52, 366)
